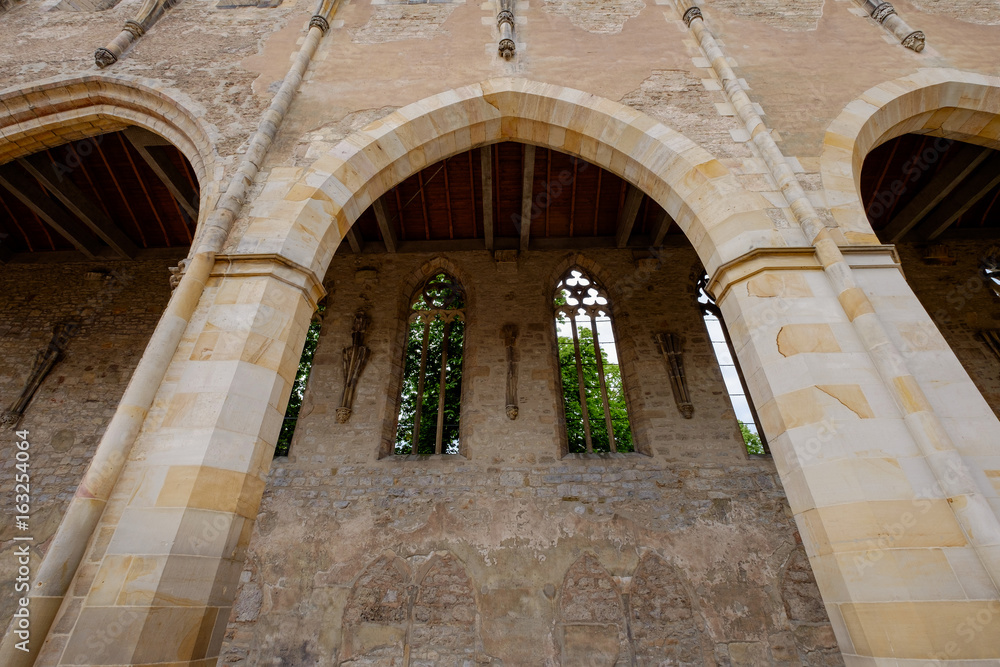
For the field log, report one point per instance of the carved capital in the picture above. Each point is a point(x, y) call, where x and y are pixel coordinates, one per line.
point(320, 22)
point(691, 14)
point(883, 11)
point(343, 414)
point(507, 48)
point(506, 16)
point(104, 58)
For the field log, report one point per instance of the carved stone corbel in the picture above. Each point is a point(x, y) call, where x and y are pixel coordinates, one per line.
point(355, 358)
point(509, 333)
point(148, 14)
point(505, 22)
point(670, 347)
point(44, 361)
point(177, 272)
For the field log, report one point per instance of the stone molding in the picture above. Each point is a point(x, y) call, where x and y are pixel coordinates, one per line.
point(797, 258)
point(272, 265)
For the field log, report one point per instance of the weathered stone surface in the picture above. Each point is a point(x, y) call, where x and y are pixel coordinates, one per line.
point(663, 623)
point(792, 16)
point(596, 16)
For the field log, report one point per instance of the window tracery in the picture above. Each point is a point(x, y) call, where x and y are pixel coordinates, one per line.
point(594, 403)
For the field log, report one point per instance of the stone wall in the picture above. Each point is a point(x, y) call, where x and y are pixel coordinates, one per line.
point(515, 554)
point(117, 306)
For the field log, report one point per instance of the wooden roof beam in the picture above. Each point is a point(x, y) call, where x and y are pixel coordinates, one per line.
point(527, 191)
point(486, 161)
point(930, 195)
point(355, 239)
point(965, 196)
point(388, 233)
point(627, 215)
point(27, 190)
point(78, 203)
point(150, 148)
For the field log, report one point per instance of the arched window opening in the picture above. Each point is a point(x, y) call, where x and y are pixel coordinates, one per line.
point(593, 393)
point(430, 403)
point(732, 374)
point(299, 386)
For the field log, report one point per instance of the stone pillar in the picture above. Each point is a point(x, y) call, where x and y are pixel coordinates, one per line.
point(158, 580)
point(899, 571)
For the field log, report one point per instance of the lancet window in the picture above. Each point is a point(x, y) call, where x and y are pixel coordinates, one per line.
point(732, 374)
point(430, 403)
point(593, 394)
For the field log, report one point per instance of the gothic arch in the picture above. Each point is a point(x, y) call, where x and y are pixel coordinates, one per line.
point(721, 219)
point(60, 110)
point(939, 102)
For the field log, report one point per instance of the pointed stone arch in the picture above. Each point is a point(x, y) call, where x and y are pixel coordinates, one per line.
point(721, 219)
point(60, 110)
point(939, 102)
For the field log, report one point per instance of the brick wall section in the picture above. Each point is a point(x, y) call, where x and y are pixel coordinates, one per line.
point(73, 406)
point(689, 552)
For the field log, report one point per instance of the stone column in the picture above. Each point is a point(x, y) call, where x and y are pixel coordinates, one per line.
point(900, 571)
point(157, 582)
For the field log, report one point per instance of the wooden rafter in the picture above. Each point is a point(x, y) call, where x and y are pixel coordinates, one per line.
point(935, 191)
point(486, 162)
point(31, 194)
point(43, 168)
point(627, 215)
point(149, 146)
point(527, 192)
point(384, 227)
point(968, 193)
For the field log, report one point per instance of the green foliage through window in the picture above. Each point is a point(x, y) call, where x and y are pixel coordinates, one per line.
point(436, 334)
point(583, 322)
point(595, 409)
point(751, 439)
point(298, 388)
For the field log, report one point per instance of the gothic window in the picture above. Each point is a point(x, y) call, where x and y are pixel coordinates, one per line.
point(732, 375)
point(429, 406)
point(593, 394)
